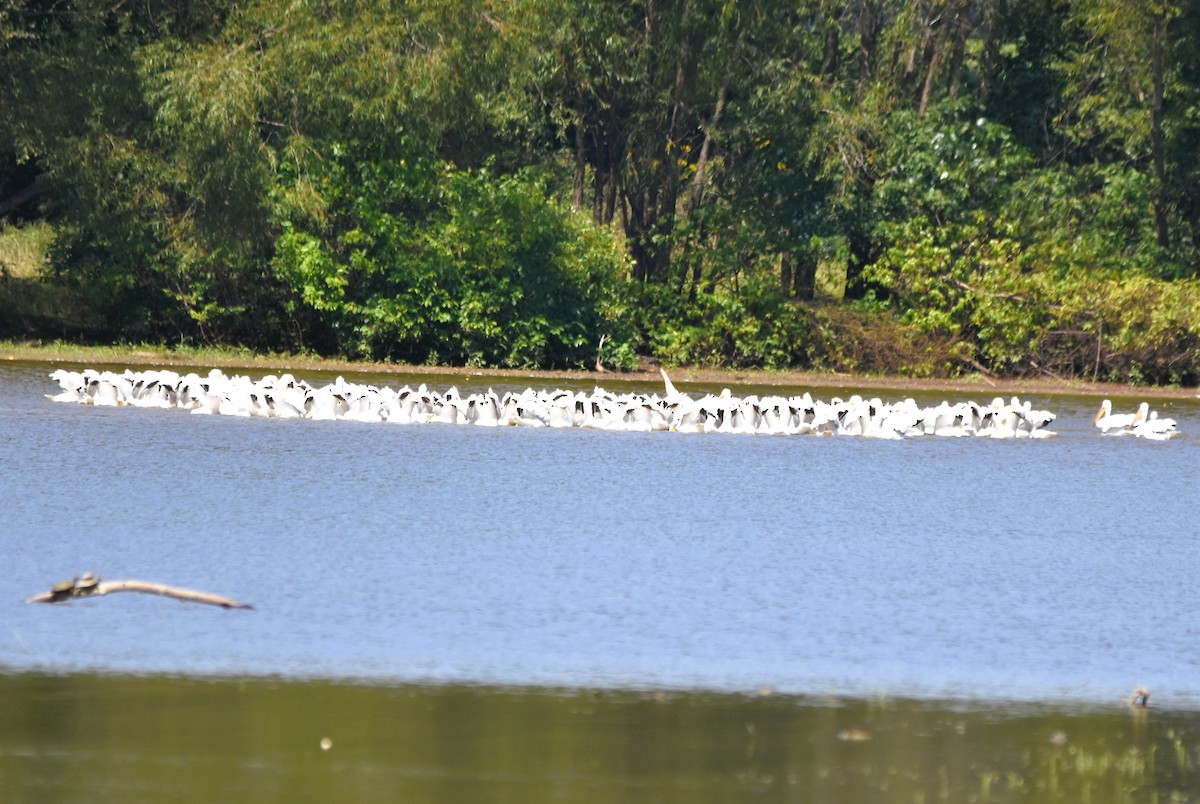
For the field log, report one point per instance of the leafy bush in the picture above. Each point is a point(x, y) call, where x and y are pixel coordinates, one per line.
point(421, 262)
point(758, 327)
point(1013, 320)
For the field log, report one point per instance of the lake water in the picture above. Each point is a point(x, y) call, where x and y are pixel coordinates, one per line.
point(1057, 572)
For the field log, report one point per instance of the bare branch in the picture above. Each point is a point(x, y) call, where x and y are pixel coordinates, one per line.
point(88, 585)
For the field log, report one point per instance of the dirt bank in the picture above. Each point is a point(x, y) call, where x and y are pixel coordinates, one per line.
point(977, 385)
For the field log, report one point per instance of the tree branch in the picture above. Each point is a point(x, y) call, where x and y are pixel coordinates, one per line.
point(88, 585)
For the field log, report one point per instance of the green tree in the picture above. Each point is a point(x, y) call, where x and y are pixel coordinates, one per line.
point(430, 264)
point(1128, 98)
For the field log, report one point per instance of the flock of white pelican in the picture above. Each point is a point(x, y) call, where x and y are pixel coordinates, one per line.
point(285, 397)
point(1143, 422)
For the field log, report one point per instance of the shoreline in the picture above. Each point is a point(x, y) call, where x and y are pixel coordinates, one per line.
point(1117, 702)
point(225, 359)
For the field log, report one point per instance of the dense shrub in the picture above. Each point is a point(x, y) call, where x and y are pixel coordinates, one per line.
point(420, 262)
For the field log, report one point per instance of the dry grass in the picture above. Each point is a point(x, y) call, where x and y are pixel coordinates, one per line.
point(23, 250)
point(881, 344)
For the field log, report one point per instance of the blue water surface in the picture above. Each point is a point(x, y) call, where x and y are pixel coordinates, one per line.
point(1056, 569)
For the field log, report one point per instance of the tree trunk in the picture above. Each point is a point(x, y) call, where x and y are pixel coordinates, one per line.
point(935, 57)
point(862, 254)
point(654, 199)
point(600, 176)
point(804, 276)
point(702, 160)
point(580, 163)
point(1157, 140)
point(829, 61)
point(868, 36)
point(961, 28)
point(994, 18)
point(612, 163)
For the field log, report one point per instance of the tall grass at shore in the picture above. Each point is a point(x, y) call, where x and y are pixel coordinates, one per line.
point(23, 250)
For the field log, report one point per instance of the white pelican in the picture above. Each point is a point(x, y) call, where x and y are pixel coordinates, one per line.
point(1035, 421)
point(1154, 428)
point(399, 409)
point(364, 406)
point(207, 405)
point(73, 384)
point(689, 421)
point(325, 403)
point(445, 411)
point(285, 397)
point(280, 408)
point(1004, 424)
point(104, 392)
point(902, 419)
point(744, 418)
point(1106, 420)
point(559, 416)
point(670, 386)
point(482, 409)
point(775, 416)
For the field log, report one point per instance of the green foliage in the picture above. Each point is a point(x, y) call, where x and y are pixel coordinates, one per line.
point(1146, 331)
point(942, 167)
point(387, 180)
point(760, 328)
point(1014, 321)
point(1009, 260)
point(1088, 219)
point(426, 263)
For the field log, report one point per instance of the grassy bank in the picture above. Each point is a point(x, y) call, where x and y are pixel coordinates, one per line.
point(226, 358)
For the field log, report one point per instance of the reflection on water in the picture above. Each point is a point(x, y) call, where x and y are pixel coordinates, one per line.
point(151, 739)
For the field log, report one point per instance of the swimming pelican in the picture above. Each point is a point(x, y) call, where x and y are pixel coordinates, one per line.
point(103, 392)
point(285, 397)
point(561, 416)
point(207, 405)
point(398, 409)
point(1035, 422)
point(775, 416)
point(483, 410)
point(326, 404)
point(1106, 420)
point(1154, 428)
point(73, 384)
point(280, 408)
point(364, 406)
point(688, 420)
